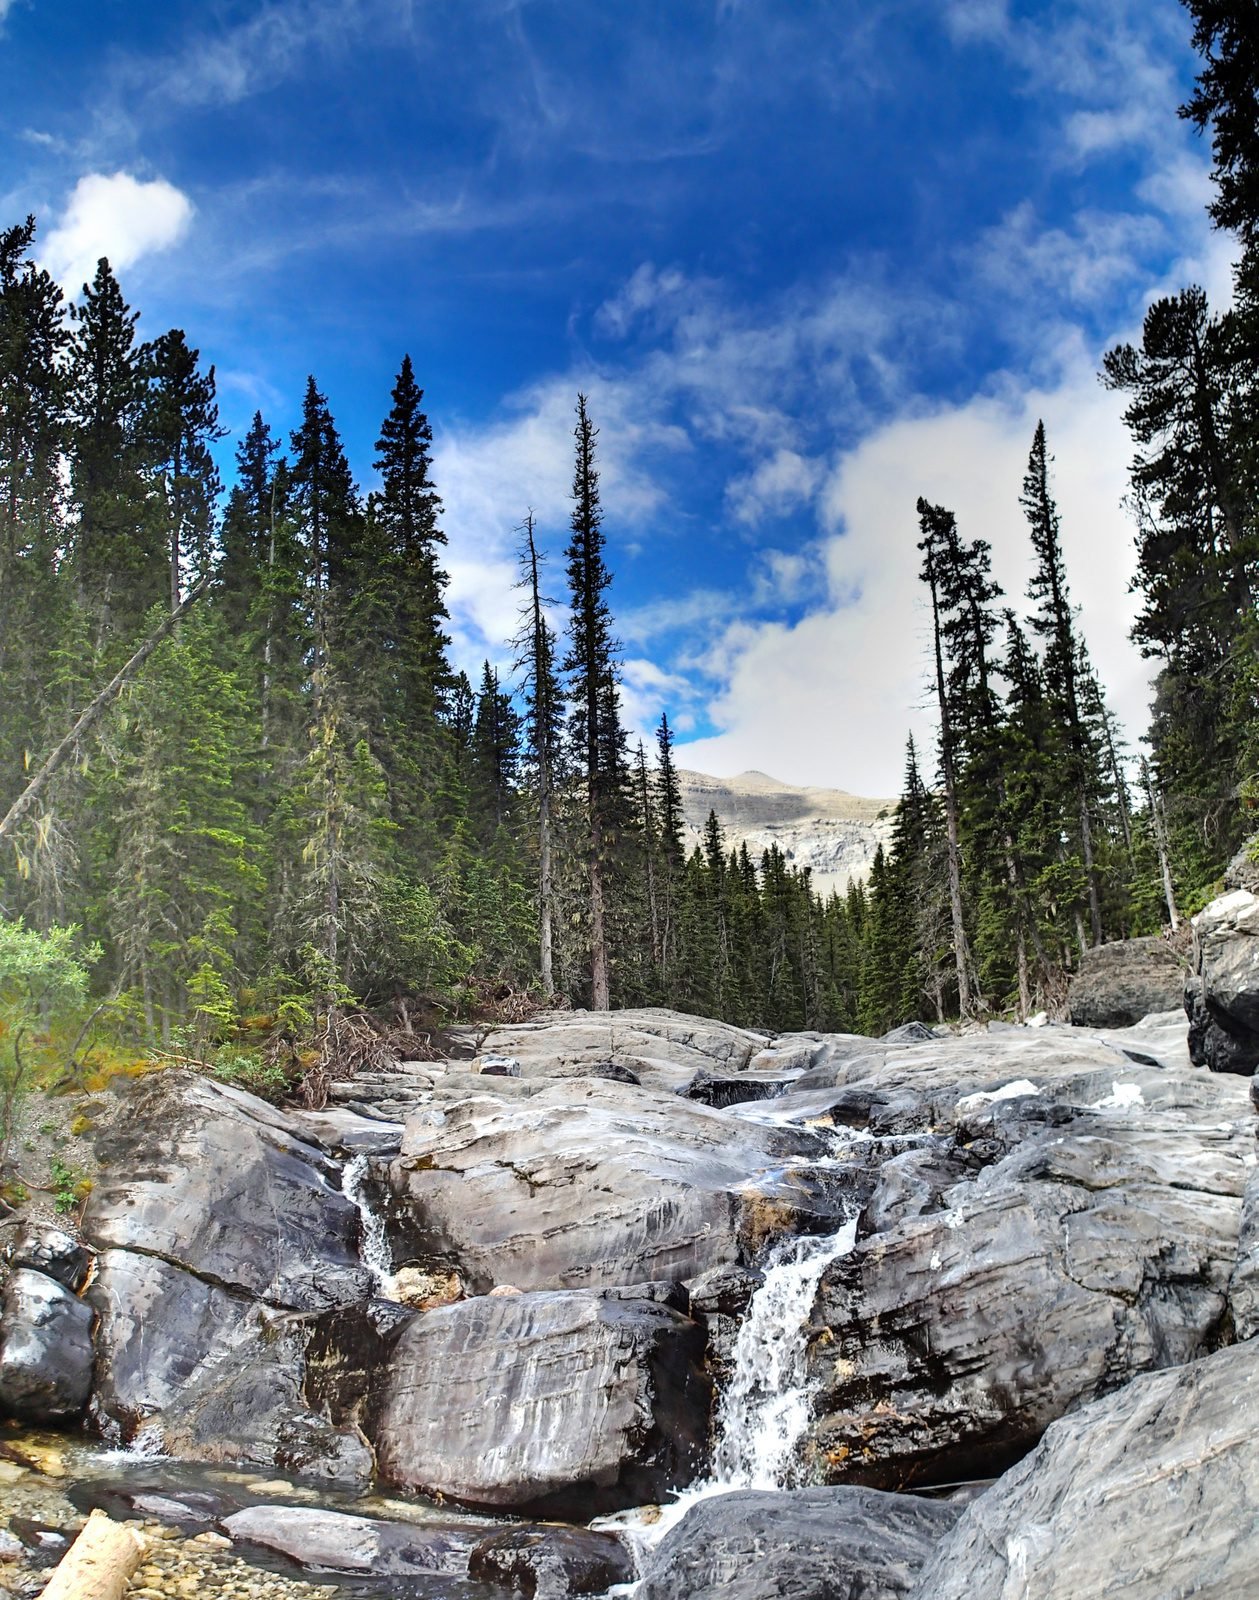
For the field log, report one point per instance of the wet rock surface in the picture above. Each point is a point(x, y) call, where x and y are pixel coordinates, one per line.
point(1148, 1493)
point(588, 1182)
point(45, 1349)
point(215, 1181)
point(574, 1245)
point(1095, 1243)
point(843, 1543)
point(567, 1403)
point(549, 1562)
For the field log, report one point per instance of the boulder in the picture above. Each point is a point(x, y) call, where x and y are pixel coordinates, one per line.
point(1118, 984)
point(590, 1183)
point(844, 1544)
point(1101, 1244)
point(218, 1183)
point(1222, 997)
point(561, 1403)
point(335, 1541)
point(1148, 1493)
point(549, 1562)
point(47, 1249)
point(664, 1050)
point(217, 1378)
point(45, 1349)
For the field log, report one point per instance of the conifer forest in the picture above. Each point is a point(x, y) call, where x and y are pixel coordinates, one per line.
point(236, 759)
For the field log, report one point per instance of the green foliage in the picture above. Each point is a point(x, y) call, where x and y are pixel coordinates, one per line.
point(43, 979)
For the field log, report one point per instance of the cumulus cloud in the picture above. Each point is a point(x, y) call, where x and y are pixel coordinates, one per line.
point(831, 697)
point(114, 215)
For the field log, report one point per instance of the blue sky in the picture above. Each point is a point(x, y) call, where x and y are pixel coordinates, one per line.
point(809, 260)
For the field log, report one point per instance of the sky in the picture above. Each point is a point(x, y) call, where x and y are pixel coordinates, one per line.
point(809, 259)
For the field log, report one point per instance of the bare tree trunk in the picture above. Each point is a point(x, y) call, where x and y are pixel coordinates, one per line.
point(100, 1562)
point(600, 989)
point(91, 715)
point(1159, 821)
point(1090, 870)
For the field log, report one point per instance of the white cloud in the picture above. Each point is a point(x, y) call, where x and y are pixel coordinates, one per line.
point(776, 487)
point(114, 215)
point(832, 697)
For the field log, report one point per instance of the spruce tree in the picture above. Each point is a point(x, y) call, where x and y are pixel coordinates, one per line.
point(939, 535)
point(120, 557)
point(1054, 622)
point(544, 721)
point(595, 732)
point(179, 422)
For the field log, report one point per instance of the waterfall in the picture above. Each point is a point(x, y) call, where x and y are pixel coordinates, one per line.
point(764, 1412)
point(765, 1409)
point(374, 1251)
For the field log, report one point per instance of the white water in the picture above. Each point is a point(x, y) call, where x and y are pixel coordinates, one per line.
point(765, 1410)
point(374, 1251)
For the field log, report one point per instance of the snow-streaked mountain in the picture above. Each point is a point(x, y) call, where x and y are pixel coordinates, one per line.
point(834, 833)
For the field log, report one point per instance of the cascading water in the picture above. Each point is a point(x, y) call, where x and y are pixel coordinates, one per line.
point(374, 1249)
point(764, 1411)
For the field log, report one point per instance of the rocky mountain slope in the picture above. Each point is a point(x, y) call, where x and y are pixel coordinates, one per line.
point(833, 833)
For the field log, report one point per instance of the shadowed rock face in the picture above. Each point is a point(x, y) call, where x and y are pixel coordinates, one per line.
point(1097, 1243)
point(551, 1563)
point(589, 1183)
point(1120, 983)
point(45, 1349)
point(1150, 1492)
point(844, 1544)
point(1222, 997)
point(564, 1403)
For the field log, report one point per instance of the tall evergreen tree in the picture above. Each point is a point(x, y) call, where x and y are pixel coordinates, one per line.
point(179, 423)
point(1054, 622)
point(120, 555)
point(595, 729)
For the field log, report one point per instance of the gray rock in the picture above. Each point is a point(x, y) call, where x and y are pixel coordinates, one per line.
point(1243, 1288)
point(909, 1033)
point(334, 1541)
point(52, 1251)
point(217, 1182)
point(1118, 984)
point(589, 1183)
point(1242, 871)
point(803, 1544)
point(1101, 1246)
point(549, 1562)
point(247, 1406)
point(1222, 998)
point(665, 1050)
point(560, 1403)
point(1148, 1493)
point(218, 1378)
point(45, 1349)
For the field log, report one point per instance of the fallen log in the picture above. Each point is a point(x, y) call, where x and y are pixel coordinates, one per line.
point(99, 1563)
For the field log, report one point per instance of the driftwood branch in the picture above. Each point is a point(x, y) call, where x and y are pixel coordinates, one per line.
point(99, 1563)
point(91, 714)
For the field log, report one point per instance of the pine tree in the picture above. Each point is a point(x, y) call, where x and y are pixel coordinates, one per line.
point(544, 719)
point(595, 729)
point(939, 534)
point(120, 557)
point(1054, 622)
point(178, 424)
